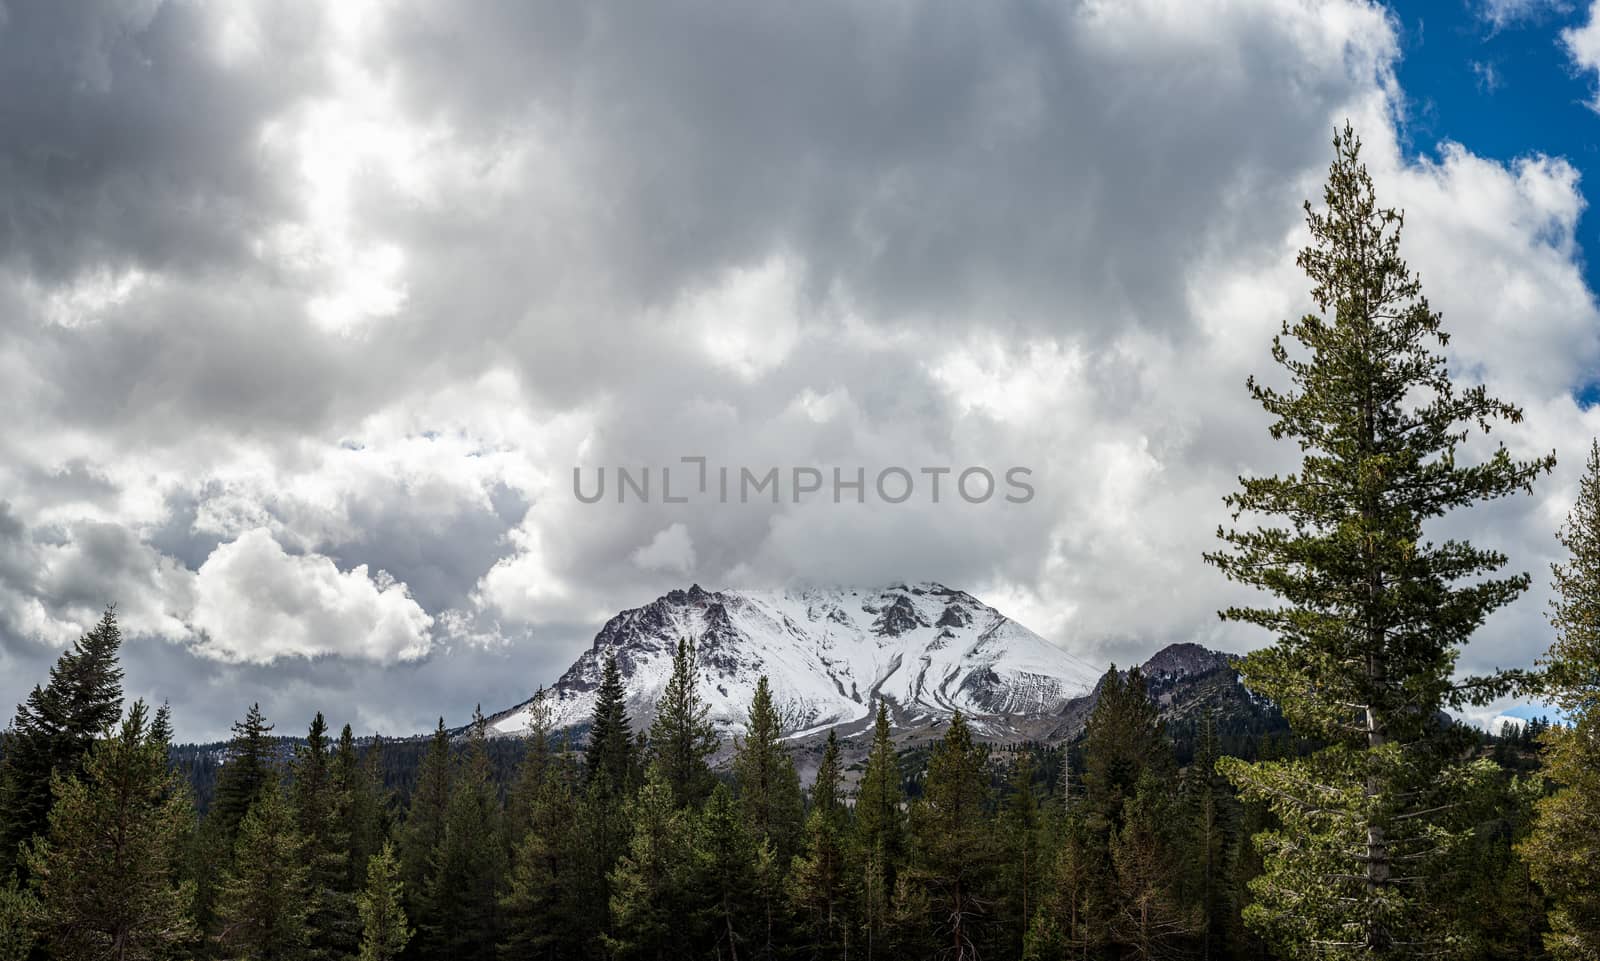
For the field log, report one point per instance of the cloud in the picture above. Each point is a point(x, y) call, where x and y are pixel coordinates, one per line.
point(1582, 44)
point(256, 603)
point(671, 550)
point(292, 297)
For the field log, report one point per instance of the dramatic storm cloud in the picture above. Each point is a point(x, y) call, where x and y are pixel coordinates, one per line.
point(308, 313)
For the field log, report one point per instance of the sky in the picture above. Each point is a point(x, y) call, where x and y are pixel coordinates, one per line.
point(308, 313)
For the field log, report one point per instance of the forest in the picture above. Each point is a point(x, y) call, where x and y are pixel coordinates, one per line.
point(1381, 829)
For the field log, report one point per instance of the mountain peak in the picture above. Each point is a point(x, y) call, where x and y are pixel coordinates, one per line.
point(831, 655)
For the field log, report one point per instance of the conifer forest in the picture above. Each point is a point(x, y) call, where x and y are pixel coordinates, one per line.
point(1377, 827)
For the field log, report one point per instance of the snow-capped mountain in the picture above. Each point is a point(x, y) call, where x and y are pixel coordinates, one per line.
point(830, 655)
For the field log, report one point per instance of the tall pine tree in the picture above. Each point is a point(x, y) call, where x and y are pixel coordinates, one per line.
point(384, 933)
point(53, 731)
point(1371, 613)
point(682, 737)
point(769, 787)
point(320, 813)
point(610, 759)
point(879, 837)
point(1563, 850)
point(107, 873)
point(265, 900)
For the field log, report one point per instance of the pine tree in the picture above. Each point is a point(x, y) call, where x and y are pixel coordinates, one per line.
point(1021, 829)
point(1124, 739)
point(1212, 821)
point(1148, 917)
point(1072, 918)
point(320, 814)
point(542, 908)
point(682, 737)
point(464, 913)
point(733, 868)
point(819, 882)
point(53, 731)
point(649, 881)
point(358, 781)
point(954, 845)
point(1563, 851)
point(534, 771)
point(265, 899)
point(611, 756)
point(250, 773)
point(422, 835)
point(879, 841)
point(19, 917)
point(1371, 614)
point(106, 873)
point(384, 933)
point(769, 787)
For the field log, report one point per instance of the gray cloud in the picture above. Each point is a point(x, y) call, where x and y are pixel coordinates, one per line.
point(342, 298)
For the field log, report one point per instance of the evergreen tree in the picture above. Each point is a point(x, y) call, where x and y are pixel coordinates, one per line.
point(543, 908)
point(1021, 830)
point(734, 871)
point(106, 874)
point(1124, 739)
point(648, 885)
point(250, 773)
point(422, 835)
point(1212, 821)
point(1071, 920)
point(1372, 614)
point(819, 882)
point(19, 917)
point(769, 787)
point(358, 782)
point(682, 736)
point(463, 898)
point(265, 899)
point(1563, 851)
point(534, 772)
point(611, 755)
point(954, 844)
point(53, 731)
point(879, 835)
point(384, 933)
point(320, 815)
point(1148, 917)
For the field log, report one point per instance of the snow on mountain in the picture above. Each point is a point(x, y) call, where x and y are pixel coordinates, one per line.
point(926, 650)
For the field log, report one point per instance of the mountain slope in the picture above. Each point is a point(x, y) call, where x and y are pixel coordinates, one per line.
point(925, 650)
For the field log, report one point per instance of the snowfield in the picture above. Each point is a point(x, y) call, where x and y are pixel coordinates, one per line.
point(830, 655)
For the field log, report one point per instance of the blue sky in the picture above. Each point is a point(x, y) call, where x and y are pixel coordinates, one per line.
point(1496, 76)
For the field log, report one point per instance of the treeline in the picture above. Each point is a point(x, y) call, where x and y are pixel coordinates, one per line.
point(632, 846)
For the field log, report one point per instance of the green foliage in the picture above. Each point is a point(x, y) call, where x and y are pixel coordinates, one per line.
point(384, 933)
point(250, 774)
point(1371, 614)
point(819, 882)
point(1124, 740)
point(321, 811)
point(422, 835)
point(53, 731)
point(682, 736)
point(651, 880)
point(953, 846)
point(769, 788)
point(19, 919)
point(106, 873)
point(879, 839)
point(265, 899)
point(1563, 851)
point(611, 757)
point(463, 916)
